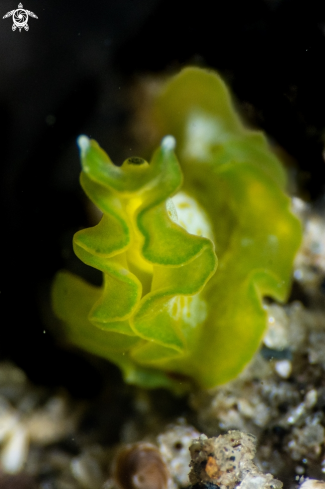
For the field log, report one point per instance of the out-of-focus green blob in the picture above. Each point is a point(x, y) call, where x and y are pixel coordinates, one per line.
point(163, 314)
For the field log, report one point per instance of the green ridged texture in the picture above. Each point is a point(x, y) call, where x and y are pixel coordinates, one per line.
point(163, 315)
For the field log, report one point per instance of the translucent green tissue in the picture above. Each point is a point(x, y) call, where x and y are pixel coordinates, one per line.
point(164, 314)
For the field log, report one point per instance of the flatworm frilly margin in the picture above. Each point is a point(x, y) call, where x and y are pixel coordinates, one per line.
point(164, 315)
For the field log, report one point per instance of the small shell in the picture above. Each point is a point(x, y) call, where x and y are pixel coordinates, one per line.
point(140, 466)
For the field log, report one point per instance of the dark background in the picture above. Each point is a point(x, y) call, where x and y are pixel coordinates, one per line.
point(71, 73)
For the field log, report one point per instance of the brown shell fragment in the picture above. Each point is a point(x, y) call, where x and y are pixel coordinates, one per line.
point(212, 468)
point(140, 466)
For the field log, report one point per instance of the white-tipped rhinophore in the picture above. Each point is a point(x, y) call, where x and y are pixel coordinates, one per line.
point(168, 142)
point(84, 144)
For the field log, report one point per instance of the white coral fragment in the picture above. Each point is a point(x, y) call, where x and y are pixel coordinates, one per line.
point(312, 484)
point(14, 453)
